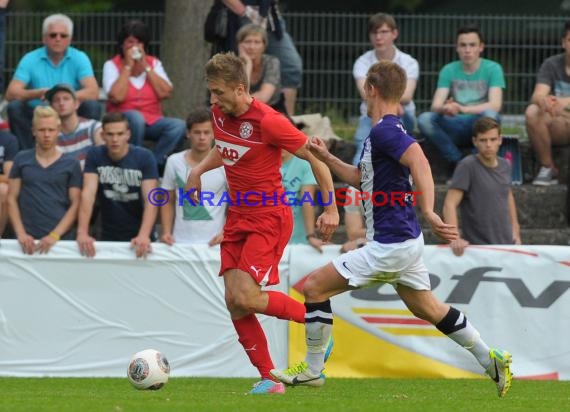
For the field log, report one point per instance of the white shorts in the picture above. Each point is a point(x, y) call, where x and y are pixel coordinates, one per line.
point(394, 263)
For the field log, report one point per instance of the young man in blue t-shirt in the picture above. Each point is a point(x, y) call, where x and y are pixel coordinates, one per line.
point(44, 188)
point(121, 177)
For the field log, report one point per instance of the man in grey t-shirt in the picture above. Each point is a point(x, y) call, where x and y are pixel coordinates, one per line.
point(481, 189)
point(548, 115)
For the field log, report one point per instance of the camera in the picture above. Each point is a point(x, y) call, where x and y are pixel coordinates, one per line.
point(136, 53)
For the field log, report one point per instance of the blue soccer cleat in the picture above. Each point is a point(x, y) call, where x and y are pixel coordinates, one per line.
point(267, 386)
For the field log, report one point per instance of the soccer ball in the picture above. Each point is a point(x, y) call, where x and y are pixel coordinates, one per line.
point(148, 369)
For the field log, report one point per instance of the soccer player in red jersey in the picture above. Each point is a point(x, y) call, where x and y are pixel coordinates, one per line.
point(249, 137)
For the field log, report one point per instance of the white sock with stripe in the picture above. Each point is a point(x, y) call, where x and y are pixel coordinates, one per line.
point(456, 326)
point(318, 329)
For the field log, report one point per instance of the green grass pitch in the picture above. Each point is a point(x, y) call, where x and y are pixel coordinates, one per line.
point(212, 394)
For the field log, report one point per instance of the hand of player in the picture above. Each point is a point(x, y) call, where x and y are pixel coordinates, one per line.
point(194, 185)
point(458, 246)
point(141, 245)
point(327, 223)
point(86, 245)
point(318, 148)
point(443, 230)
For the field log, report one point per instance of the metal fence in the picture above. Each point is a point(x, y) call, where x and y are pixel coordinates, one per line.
point(94, 33)
point(330, 43)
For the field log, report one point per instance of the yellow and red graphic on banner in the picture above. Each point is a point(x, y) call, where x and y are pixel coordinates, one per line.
point(360, 354)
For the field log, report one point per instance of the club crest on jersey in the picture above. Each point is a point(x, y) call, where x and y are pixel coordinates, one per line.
point(245, 130)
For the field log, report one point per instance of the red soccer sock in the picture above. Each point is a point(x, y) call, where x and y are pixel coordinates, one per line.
point(283, 306)
point(253, 340)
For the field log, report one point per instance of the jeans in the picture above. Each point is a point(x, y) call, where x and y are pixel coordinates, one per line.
point(363, 130)
point(289, 58)
point(167, 132)
point(20, 115)
point(448, 133)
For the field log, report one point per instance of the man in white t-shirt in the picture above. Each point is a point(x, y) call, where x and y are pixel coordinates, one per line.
point(383, 32)
point(201, 223)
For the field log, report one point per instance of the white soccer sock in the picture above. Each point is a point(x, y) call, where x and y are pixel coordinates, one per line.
point(457, 327)
point(318, 329)
point(469, 338)
point(317, 336)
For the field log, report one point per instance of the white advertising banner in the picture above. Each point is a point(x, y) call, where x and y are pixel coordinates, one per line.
point(517, 297)
point(64, 315)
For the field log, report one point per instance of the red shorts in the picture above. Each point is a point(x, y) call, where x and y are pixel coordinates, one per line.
point(254, 243)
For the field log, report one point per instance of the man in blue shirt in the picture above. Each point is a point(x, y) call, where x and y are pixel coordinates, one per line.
point(39, 70)
point(121, 177)
point(393, 254)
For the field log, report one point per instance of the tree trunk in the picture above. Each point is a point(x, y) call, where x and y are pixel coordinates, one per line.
point(184, 54)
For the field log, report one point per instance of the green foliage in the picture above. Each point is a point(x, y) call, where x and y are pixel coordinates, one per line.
point(338, 395)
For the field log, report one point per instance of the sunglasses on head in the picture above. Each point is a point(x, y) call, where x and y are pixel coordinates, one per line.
point(62, 35)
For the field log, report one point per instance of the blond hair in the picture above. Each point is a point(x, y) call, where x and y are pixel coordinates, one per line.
point(45, 112)
point(388, 79)
point(251, 29)
point(228, 68)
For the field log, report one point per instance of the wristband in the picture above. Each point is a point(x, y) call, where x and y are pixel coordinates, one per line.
point(54, 235)
point(148, 69)
point(310, 236)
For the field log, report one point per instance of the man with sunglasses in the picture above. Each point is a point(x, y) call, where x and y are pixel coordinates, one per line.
point(56, 62)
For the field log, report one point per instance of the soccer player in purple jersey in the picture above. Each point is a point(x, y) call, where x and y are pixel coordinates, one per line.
point(390, 161)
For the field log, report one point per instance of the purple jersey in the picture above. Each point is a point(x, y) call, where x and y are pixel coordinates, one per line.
point(389, 212)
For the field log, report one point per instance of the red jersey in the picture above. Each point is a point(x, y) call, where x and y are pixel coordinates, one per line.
point(250, 146)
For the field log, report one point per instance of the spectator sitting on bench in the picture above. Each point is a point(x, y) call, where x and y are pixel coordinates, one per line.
point(135, 83)
point(548, 116)
point(54, 63)
point(467, 89)
point(77, 134)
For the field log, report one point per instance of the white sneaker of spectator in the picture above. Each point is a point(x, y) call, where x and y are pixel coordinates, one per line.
point(546, 176)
